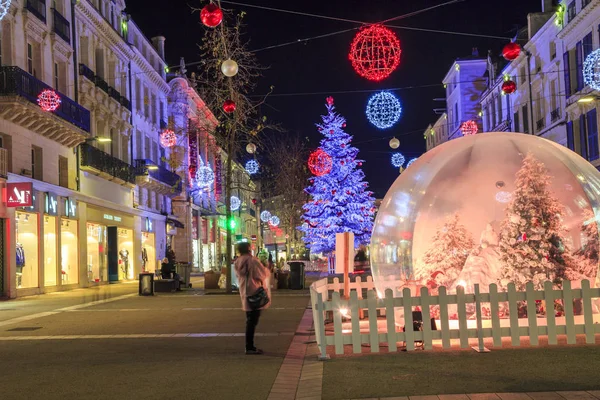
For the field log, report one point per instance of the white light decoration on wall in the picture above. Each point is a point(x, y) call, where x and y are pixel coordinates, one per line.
point(235, 203)
point(265, 216)
point(4, 6)
point(383, 110)
point(274, 220)
point(205, 176)
point(252, 167)
point(397, 160)
point(591, 70)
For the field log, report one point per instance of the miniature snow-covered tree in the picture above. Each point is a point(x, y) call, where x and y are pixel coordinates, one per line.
point(339, 199)
point(446, 256)
point(586, 264)
point(531, 243)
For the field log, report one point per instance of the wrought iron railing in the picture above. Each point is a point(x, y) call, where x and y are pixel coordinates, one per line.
point(104, 162)
point(112, 92)
point(125, 102)
point(540, 124)
point(87, 72)
point(15, 81)
point(37, 8)
point(159, 173)
point(555, 115)
point(62, 27)
point(101, 83)
point(163, 124)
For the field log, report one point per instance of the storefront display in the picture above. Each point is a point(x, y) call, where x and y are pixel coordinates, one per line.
point(50, 253)
point(26, 251)
point(148, 252)
point(69, 252)
point(97, 258)
point(125, 248)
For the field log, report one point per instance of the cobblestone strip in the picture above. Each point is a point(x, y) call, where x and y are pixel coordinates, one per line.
point(311, 380)
point(289, 376)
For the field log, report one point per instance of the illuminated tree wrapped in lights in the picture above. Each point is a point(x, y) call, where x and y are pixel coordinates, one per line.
point(339, 201)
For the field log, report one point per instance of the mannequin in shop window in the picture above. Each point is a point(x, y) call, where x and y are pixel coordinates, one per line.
point(20, 252)
point(144, 259)
point(125, 258)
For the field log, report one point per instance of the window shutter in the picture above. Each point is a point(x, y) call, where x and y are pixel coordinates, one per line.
point(567, 74)
point(592, 133)
point(583, 137)
point(579, 65)
point(570, 138)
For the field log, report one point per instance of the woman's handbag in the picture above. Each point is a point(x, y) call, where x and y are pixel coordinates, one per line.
point(259, 299)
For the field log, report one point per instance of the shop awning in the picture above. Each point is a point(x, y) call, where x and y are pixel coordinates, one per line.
point(175, 223)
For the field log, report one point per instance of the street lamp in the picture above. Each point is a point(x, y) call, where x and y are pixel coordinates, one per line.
point(99, 139)
point(588, 99)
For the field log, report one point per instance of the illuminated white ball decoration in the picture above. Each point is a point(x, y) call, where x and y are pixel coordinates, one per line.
point(383, 110)
point(394, 143)
point(229, 68)
point(252, 167)
point(205, 176)
point(398, 160)
point(464, 178)
point(265, 216)
point(251, 148)
point(274, 220)
point(4, 6)
point(591, 70)
point(408, 164)
point(235, 203)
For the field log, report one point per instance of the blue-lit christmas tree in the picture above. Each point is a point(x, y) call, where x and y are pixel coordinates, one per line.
point(339, 199)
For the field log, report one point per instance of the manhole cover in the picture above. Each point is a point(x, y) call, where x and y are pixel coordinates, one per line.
point(25, 329)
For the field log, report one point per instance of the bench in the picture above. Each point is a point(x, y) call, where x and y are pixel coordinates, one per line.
point(165, 285)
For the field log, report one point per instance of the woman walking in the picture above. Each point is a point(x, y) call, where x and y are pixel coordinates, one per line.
point(253, 278)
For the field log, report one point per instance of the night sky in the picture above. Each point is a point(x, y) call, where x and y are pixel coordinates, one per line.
point(321, 66)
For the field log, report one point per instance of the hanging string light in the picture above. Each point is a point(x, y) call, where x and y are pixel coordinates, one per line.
point(48, 100)
point(383, 110)
point(211, 15)
point(511, 51)
point(205, 176)
point(397, 160)
point(265, 216)
point(4, 6)
point(394, 143)
point(252, 167)
point(235, 203)
point(591, 70)
point(375, 52)
point(168, 138)
point(251, 148)
point(274, 220)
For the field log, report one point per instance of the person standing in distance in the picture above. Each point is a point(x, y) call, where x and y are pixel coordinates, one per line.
point(251, 275)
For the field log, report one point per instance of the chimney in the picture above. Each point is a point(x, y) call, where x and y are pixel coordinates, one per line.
point(549, 5)
point(475, 52)
point(159, 45)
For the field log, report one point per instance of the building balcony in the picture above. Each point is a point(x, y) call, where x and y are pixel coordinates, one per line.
point(101, 83)
point(19, 93)
point(84, 70)
point(113, 93)
point(125, 102)
point(37, 8)
point(503, 126)
point(540, 124)
point(106, 166)
point(555, 115)
point(62, 27)
point(157, 178)
point(163, 124)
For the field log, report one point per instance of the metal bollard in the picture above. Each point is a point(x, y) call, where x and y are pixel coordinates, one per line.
point(146, 284)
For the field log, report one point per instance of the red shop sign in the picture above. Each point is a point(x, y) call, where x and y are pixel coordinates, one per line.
point(18, 194)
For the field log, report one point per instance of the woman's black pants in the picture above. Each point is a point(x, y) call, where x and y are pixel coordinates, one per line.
point(251, 322)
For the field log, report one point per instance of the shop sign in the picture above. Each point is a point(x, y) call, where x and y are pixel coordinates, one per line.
point(50, 203)
point(192, 154)
point(112, 217)
point(70, 208)
point(19, 194)
point(149, 225)
point(238, 237)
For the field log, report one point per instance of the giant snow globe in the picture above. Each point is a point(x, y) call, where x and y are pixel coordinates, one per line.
point(489, 208)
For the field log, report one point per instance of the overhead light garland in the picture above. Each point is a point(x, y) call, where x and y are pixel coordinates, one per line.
point(394, 143)
point(235, 203)
point(591, 70)
point(252, 167)
point(4, 6)
point(168, 138)
point(265, 216)
point(384, 110)
point(274, 220)
point(375, 52)
point(398, 160)
point(205, 176)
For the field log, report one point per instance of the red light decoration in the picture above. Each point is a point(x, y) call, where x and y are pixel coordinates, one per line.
point(229, 106)
point(320, 162)
point(375, 52)
point(211, 15)
point(48, 100)
point(511, 51)
point(509, 87)
point(469, 128)
point(168, 138)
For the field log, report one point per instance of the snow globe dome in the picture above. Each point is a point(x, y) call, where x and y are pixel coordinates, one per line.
point(489, 208)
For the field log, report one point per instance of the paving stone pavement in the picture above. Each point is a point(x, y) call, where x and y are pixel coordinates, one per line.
point(574, 395)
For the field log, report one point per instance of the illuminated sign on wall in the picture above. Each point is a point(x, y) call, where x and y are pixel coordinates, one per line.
point(149, 225)
point(19, 194)
point(70, 208)
point(112, 218)
point(50, 204)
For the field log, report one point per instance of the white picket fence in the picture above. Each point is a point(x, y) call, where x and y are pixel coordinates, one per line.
point(327, 300)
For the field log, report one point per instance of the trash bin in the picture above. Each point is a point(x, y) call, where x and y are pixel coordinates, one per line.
point(184, 271)
point(146, 284)
point(296, 275)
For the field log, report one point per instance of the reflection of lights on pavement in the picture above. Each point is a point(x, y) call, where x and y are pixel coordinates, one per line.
point(503, 197)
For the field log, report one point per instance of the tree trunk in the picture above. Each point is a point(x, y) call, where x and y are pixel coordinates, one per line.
point(228, 242)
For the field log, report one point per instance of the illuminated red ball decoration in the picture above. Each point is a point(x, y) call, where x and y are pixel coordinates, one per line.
point(511, 51)
point(48, 100)
point(375, 52)
point(229, 106)
point(469, 128)
point(320, 163)
point(509, 87)
point(168, 138)
point(211, 15)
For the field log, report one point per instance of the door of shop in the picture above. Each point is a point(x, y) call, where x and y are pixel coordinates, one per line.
point(113, 253)
point(2, 263)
